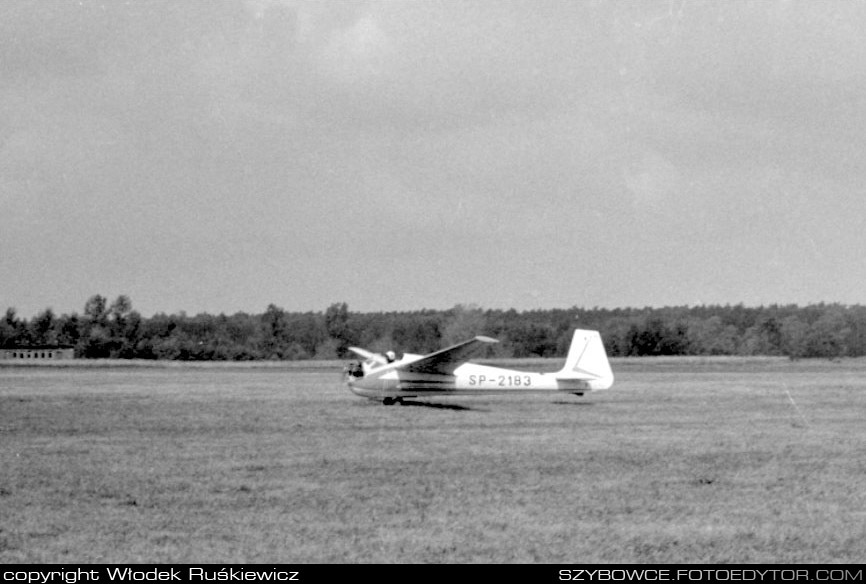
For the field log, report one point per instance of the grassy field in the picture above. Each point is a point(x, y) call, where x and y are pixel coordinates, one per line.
point(684, 460)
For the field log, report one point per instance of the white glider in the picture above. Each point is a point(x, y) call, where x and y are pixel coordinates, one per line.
point(448, 372)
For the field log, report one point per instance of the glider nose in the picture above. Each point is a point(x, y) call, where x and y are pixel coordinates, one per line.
point(353, 376)
point(353, 371)
point(358, 388)
point(351, 380)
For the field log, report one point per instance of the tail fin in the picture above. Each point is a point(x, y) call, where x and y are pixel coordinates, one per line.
point(587, 361)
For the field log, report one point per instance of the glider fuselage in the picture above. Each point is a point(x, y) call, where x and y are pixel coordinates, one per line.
point(469, 378)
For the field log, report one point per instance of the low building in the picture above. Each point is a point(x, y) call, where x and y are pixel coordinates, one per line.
point(41, 352)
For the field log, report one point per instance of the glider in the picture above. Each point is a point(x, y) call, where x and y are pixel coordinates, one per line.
point(448, 372)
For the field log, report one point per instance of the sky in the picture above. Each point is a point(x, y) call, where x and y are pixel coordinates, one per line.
point(221, 156)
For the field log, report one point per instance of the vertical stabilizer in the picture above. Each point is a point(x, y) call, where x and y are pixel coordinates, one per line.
point(587, 361)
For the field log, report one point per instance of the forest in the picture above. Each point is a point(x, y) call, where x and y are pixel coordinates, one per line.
point(115, 330)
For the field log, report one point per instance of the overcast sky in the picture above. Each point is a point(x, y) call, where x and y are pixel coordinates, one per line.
point(395, 155)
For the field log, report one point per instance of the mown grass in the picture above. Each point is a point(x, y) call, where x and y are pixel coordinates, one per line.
point(682, 461)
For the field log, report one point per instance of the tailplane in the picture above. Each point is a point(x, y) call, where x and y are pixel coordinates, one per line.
point(587, 361)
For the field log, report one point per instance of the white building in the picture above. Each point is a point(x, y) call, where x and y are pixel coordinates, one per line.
point(40, 352)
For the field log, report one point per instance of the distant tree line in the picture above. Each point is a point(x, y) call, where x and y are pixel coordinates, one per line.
point(114, 330)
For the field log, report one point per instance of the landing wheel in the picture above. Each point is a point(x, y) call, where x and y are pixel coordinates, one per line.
point(389, 401)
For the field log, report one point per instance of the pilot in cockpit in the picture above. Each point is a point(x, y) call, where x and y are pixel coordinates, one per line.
point(355, 369)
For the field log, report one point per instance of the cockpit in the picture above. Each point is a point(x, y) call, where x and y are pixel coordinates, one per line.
point(354, 369)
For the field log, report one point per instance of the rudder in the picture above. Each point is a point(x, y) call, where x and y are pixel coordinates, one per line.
point(587, 361)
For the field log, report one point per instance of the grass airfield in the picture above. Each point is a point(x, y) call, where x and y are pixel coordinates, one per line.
point(684, 460)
